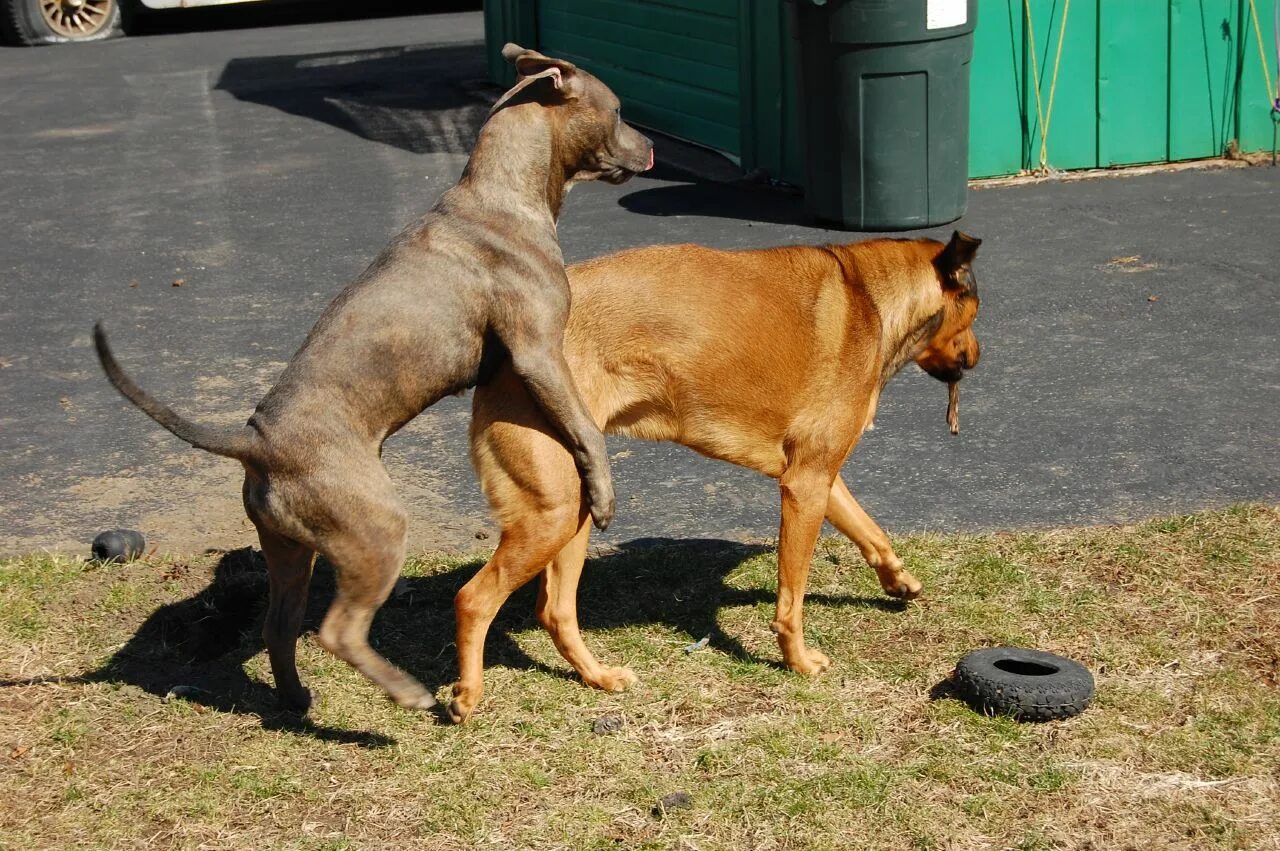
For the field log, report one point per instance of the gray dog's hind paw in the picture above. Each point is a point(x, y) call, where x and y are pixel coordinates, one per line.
point(418, 702)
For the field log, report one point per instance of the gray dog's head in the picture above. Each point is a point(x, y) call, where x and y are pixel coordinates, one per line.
point(594, 141)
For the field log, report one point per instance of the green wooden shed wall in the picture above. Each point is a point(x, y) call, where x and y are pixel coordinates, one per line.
point(1138, 80)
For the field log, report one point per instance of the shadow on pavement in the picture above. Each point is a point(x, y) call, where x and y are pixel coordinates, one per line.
point(726, 200)
point(196, 648)
point(414, 97)
point(238, 16)
point(434, 98)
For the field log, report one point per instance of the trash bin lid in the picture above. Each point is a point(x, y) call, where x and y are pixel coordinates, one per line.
point(893, 21)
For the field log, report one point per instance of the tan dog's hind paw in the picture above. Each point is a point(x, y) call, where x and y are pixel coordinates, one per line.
point(613, 679)
point(811, 663)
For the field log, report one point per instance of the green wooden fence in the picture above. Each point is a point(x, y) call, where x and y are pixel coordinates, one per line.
point(1132, 81)
point(1139, 81)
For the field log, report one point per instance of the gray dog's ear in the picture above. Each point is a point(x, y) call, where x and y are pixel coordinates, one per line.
point(532, 66)
point(529, 62)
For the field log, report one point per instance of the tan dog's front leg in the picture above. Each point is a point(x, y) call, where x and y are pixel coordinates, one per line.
point(524, 550)
point(558, 612)
point(804, 499)
point(847, 515)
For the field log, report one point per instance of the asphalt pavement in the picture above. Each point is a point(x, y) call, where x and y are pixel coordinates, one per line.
point(208, 192)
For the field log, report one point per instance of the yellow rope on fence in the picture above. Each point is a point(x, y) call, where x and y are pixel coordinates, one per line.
point(1043, 117)
point(1262, 54)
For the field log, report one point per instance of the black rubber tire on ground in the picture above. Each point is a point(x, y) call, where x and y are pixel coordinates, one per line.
point(25, 22)
point(1029, 685)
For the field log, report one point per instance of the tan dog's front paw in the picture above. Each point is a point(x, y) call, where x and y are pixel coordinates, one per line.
point(463, 704)
point(902, 585)
point(613, 679)
point(811, 662)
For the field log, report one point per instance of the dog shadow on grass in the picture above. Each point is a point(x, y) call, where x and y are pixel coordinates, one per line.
point(196, 649)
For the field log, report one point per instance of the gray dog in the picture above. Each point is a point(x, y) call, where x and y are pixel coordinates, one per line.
point(479, 279)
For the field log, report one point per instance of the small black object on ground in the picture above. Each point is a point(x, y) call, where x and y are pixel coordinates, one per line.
point(607, 724)
point(674, 801)
point(1029, 685)
point(118, 545)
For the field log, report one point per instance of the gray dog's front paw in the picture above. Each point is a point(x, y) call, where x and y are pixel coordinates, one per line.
point(602, 512)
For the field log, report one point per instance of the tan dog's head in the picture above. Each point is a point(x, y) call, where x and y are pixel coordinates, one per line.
point(953, 347)
point(594, 141)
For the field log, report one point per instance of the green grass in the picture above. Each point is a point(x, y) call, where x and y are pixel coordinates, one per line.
point(1178, 618)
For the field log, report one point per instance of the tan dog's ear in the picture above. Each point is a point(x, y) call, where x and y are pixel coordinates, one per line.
point(961, 250)
point(953, 262)
point(531, 67)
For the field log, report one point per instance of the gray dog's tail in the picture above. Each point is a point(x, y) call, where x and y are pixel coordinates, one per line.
point(240, 443)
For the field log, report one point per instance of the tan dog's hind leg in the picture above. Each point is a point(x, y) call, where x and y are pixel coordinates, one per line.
point(804, 499)
point(524, 550)
point(558, 612)
point(847, 516)
point(289, 568)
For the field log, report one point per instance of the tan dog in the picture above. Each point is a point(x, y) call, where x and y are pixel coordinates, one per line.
point(772, 359)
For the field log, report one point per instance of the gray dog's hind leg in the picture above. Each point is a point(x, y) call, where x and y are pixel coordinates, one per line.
point(367, 548)
point(289, 567)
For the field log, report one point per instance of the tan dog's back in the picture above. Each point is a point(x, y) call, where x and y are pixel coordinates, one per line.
point(729, 352)
point(735, 354)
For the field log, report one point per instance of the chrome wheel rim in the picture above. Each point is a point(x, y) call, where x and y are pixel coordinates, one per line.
point(76, 18)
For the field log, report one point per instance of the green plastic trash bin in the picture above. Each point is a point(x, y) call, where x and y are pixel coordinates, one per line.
point(884, 94)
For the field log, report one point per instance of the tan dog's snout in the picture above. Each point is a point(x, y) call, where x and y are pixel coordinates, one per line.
point(953, 348)
point(947, 356)
point(972, 352)
point(967, 350)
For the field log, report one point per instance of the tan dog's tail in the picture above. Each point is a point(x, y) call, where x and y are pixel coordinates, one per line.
point(239, 443)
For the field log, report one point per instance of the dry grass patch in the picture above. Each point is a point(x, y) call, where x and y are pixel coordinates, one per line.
point(1178, 618)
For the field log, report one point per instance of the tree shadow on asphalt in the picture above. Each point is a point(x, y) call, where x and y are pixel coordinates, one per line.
point(434, 98)
point(145, 22)
point(195, 649)
point(419, 98)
